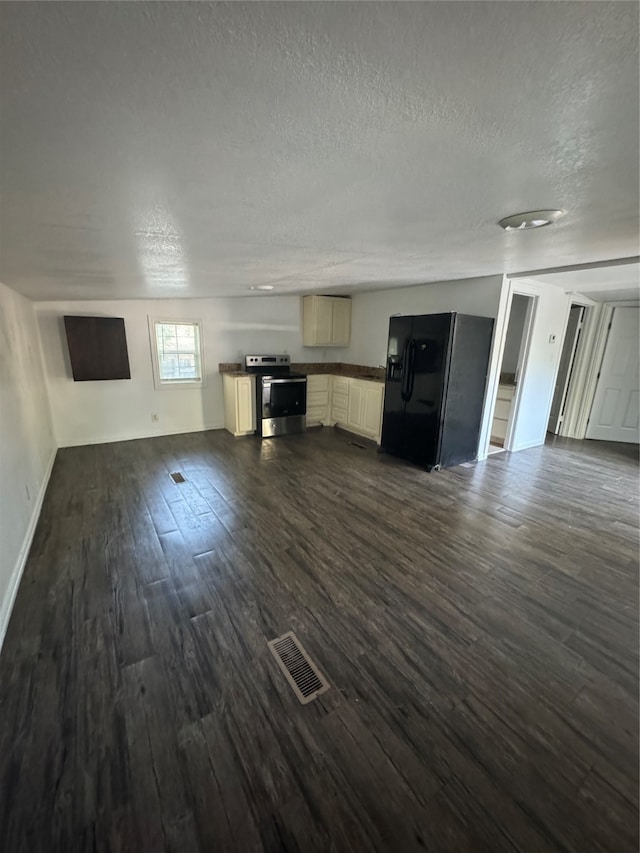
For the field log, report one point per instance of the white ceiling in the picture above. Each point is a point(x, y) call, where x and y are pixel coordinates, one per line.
point(195, 149)
point(618, 283)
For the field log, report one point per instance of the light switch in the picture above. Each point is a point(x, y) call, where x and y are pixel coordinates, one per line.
point(552, 339)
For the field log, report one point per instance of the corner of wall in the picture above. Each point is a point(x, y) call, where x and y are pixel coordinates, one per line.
point(6, 606)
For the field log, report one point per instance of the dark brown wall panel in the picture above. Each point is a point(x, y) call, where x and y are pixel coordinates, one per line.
point(97, 348)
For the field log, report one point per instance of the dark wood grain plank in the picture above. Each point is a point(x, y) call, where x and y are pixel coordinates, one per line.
point(478, 627)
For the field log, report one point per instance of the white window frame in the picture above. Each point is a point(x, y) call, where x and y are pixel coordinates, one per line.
point(163, 385)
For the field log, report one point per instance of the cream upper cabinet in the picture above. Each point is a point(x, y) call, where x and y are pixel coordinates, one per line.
point(239, 404)
point(326, 321)
point(341, 317)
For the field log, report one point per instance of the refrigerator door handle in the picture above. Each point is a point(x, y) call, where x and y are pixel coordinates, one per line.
point(407, 377)
point(410, 368)
point(405, 372)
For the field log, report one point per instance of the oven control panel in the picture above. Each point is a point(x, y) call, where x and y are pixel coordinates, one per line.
point(267, 361)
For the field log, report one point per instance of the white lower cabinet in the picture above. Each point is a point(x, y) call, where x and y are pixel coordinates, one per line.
point(357, 406)
point(318, 399)
point(372, 403)
point(239, 403)
point(353, 404)
point(339, 400)
point(502, 412)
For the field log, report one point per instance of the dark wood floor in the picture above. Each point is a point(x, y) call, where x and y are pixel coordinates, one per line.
point(479, 628)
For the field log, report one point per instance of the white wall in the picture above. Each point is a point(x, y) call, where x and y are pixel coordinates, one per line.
point(95, 412)
point(371, 311)
point(514, 334)
point(537, 383)
point(27, 446)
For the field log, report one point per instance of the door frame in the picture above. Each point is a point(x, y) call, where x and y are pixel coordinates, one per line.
point(568, 378)
point(510, 287)
point(523, 366)
point(582, 388)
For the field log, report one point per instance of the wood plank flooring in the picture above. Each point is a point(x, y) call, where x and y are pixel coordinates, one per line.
point(478, 626)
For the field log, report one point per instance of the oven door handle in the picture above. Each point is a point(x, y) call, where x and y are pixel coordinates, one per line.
point(281, 381)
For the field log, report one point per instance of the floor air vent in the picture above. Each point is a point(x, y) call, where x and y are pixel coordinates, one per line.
point(300, 671)
point(177, 477)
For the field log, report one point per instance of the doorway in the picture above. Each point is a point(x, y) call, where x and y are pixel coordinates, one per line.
point(511, 367)
point(565, 369)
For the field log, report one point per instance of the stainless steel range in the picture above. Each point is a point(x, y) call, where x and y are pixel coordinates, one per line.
point(281, 395)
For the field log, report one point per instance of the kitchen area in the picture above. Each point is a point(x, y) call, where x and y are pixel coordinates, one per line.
point(443, 358)
point(269, 395)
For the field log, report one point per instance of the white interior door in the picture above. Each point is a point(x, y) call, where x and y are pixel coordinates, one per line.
point(615, 414)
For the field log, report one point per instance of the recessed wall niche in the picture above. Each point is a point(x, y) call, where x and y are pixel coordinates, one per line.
point(97, 348)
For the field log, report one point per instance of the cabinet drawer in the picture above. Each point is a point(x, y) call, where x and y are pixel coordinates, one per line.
point(315, 415)
point(317, 398)
point(505, 392)
point(340, 385)
point(318, 382)
point(499, 428)
point(339, 401)
point(502, 409)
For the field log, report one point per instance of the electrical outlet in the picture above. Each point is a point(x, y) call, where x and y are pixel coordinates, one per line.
point(155, 417)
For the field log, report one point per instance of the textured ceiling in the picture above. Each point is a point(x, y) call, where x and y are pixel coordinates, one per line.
point(195, 149)
point(602, 284)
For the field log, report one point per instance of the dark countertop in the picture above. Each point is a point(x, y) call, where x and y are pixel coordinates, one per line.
point(334, 368)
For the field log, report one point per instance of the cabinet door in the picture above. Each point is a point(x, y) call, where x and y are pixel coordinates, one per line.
point(355, 405)
point(341, 331)
point(372, 409)
point(317, 321)
point(339, 399)
point(323, 320)
point(318, 399)
point(326, 321)
point(244, 404)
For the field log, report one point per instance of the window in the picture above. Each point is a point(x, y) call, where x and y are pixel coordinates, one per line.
point(176, 347)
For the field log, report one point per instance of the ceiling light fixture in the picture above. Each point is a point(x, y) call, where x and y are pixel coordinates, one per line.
point(261, 287)
point(531, 219)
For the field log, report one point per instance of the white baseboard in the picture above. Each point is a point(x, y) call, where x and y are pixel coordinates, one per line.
point(16, 577)
point(111, 439)
point(527, 446)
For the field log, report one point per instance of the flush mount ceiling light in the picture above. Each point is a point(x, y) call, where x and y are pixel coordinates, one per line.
point(261, 287)
point(531, 219)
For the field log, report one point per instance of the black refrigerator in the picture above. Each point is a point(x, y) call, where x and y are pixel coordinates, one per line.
point(437, 367)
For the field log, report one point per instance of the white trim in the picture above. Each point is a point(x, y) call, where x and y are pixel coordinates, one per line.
point(575, 402)
point(128, 437)
point(577, 340)
point(582, 299)
point(601, 336)
point(590, 265)
point(495, 364)
point(159, 385)
point(527, 446)
point(16, 576)
point(510, 287)
point(523, 363)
